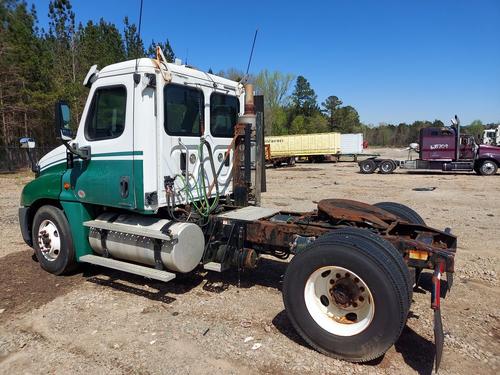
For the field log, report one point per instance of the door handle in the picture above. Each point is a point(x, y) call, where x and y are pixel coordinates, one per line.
point(124, 186)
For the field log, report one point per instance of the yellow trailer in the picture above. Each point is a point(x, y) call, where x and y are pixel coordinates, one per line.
point(303, 145)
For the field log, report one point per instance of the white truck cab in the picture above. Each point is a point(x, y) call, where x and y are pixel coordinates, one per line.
point(143, 126)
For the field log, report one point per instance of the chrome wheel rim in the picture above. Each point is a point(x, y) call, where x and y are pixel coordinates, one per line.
point(49, 241)
point(339, 301)
point(386, 167)
point(488, 167)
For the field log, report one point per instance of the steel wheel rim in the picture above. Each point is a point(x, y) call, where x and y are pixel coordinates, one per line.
point(367, 167)
point(386, 167)
point(329, 310)
point(488, 167)
point(49, 240)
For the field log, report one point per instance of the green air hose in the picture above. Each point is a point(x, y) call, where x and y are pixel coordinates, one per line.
point(202, 203)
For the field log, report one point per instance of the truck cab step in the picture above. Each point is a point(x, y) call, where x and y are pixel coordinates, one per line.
point(214, 266)
point(136, 269)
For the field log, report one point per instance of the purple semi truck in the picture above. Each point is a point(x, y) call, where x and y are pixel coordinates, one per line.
point(443, 149)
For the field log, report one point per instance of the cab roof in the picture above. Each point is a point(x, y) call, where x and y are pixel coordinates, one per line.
point(149, 65)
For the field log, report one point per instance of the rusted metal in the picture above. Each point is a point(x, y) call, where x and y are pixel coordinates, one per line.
point(279, 234)
point(282, 231)
point(240, 186)
point(353, 211)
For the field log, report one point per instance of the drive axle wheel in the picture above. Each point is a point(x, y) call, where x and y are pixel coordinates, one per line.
point(387, 166)
point(367, 166)
point(346, 304)
point(347, 296)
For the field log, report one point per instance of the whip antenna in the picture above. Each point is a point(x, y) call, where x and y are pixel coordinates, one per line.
point(139, 35)
point(251, 52)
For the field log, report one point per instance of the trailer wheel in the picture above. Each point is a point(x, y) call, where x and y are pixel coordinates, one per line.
point(401, 211)
point(346, 296)
point(488, 168)
point(367, 166)
point(387, 166)
point(52, 241)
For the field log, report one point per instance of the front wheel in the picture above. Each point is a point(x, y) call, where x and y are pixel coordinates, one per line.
point(52, 241)
point(488, 168)
point(346, 296)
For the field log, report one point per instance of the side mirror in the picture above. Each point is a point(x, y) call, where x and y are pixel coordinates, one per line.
point(27, 143)
point(63, 119)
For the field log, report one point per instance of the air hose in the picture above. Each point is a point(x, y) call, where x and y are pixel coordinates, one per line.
point(202, 203)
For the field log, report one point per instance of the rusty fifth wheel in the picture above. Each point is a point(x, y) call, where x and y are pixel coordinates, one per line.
point(347, 295)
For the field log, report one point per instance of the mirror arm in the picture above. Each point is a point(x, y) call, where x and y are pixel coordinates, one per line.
point(83, 152)
point(34, 166)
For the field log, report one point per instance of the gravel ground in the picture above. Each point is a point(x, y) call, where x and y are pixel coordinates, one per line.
point(104, 322)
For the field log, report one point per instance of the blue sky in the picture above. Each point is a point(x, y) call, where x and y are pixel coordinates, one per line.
point(394, 61)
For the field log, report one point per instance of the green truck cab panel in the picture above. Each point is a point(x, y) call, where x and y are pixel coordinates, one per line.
point(46, 186)
point(77, 213)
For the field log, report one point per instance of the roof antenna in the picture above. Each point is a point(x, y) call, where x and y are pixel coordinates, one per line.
point(139, 34)
point(251, 54)
point(187, 54)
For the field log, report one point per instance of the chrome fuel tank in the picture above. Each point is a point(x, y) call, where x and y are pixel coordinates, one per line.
point(134, 237)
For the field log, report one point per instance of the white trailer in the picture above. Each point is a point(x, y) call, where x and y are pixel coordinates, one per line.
point(351, 144)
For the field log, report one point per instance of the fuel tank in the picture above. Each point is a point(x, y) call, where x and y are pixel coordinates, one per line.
point(133, 238)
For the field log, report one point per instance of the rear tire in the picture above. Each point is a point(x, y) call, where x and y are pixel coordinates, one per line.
point(367, 166)
point(317, 307)
point(52, 241)
point(387, 166)
point(401, 211)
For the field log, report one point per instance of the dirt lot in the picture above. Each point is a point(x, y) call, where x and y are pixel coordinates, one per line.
point(103, 322)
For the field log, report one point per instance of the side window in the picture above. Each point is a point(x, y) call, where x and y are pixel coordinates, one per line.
point(106, 117)
point(223, 114)
point(183, 107)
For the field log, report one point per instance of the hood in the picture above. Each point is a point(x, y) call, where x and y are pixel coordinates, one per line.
point(489, 150)
point(54, 157)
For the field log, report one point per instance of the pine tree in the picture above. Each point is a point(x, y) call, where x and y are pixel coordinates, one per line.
point(168, 52)
point(304, 99)
point(330, 105)
point(134, 47)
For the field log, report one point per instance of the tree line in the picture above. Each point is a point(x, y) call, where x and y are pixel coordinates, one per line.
point(42, 66)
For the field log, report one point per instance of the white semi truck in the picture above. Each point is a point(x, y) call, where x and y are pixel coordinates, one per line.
point(492, 136)
point(157, 181)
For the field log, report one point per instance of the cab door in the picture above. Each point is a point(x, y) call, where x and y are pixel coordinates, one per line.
point(224, 112)
point(182, 122)
point(107, 127)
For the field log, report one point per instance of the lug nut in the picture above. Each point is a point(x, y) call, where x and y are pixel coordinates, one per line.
point(354, 304)
point(362, 289)
point(361, 299)
point(338, 276)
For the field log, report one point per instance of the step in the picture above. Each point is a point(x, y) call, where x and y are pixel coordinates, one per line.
point(213, 266)
point(136, 269)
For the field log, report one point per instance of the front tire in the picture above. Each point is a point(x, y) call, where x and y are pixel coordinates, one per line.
point(346, 297)
point(488, 168)
point(52, 241)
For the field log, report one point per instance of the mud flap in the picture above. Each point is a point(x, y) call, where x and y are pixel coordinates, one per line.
point(436, 306)
point(438, 337)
